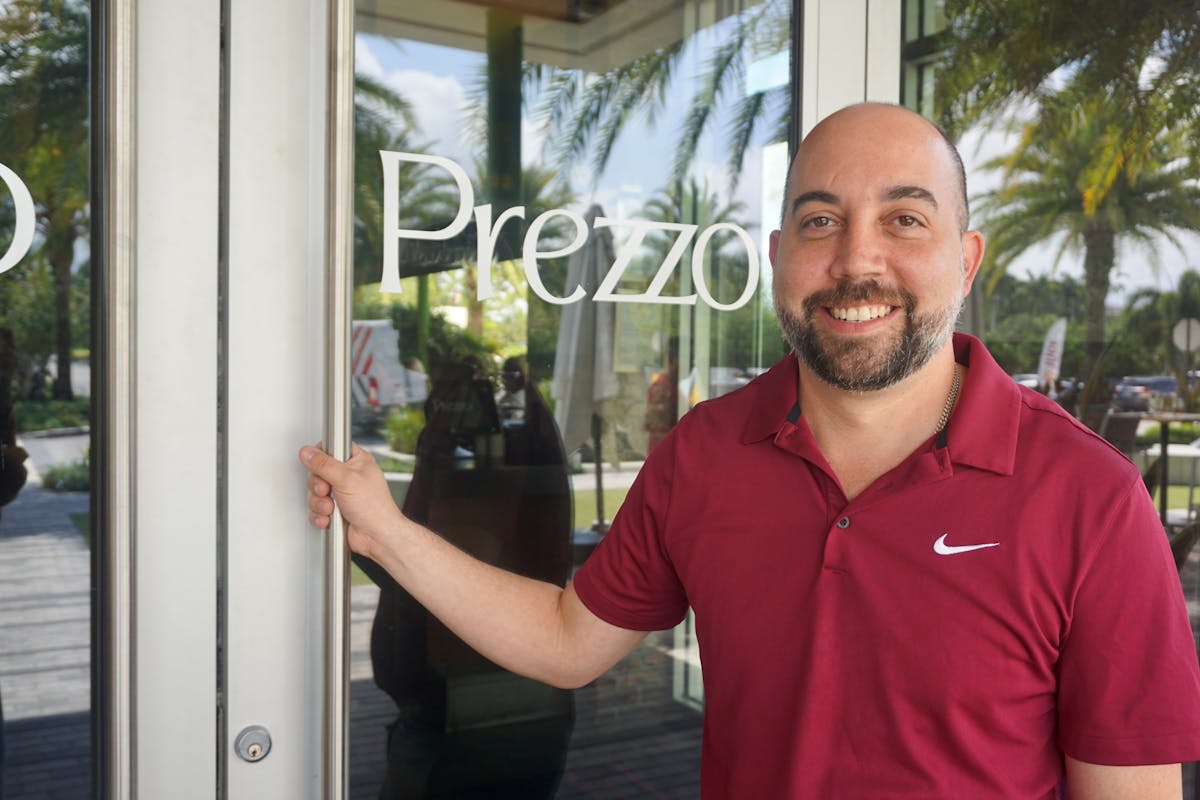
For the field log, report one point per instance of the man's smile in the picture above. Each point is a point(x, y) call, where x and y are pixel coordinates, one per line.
point(859, 313)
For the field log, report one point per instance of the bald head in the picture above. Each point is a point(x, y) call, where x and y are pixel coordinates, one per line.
point(883, 122)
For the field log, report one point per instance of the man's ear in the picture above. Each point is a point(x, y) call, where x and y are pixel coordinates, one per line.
point(773, 246)
point(972, 256)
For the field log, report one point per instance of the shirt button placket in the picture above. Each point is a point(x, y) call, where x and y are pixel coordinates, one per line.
point(835, 547)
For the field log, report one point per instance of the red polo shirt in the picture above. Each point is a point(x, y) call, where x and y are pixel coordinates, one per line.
point(979, 610)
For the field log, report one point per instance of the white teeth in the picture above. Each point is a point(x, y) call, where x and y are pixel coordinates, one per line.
point(860, 313)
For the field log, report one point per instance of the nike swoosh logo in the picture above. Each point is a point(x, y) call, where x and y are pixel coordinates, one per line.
point(942, 549)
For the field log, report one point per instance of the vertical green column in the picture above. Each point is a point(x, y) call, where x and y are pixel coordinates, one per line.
point(423, 312)
point(505, 49)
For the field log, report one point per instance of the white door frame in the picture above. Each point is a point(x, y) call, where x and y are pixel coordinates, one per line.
point(215, 201)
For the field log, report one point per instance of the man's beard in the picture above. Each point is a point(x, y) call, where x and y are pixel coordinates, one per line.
point(866, 364)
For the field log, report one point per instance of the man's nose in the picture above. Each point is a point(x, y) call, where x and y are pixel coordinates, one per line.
point(860, 252)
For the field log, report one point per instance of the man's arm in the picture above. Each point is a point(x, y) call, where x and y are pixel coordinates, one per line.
point(1098, 782)
point(531, 627)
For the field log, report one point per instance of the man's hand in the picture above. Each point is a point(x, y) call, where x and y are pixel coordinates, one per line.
point(531, 627)
point(356, 488)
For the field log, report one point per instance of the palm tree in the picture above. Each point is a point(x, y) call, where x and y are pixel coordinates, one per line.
point(583, 111)
point(383, 120)
point(44, 138)
point(1049, 191)
point(1148, 52)
point(1150, 315)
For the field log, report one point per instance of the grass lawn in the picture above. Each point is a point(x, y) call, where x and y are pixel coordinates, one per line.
point(585, 506)
point(1177, 496)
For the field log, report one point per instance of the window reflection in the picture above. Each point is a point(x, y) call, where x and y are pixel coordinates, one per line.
point(45, 348)
point(534, 413)
point(496, 487)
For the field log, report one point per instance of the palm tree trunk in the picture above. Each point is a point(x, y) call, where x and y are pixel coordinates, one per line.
point(1098, 259)
point(61, 253)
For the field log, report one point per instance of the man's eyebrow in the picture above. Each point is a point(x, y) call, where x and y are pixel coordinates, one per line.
point(914, 192)
point(816, 196)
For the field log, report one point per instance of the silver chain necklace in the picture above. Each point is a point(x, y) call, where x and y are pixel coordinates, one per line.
point(950, 400)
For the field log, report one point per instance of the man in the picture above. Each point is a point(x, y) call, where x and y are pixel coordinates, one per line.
point(904, 584)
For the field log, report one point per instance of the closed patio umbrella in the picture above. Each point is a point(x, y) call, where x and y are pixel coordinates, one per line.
point(584, 377)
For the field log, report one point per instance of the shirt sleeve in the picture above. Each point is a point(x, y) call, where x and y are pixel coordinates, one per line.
point(1129, 682)
point(629, 580)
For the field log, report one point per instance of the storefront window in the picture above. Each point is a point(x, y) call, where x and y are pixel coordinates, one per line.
point(45, 409)
point(560, 250)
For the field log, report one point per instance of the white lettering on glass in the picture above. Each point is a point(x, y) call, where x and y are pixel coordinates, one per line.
point(530, 254)
point(486, 244)
point(488, 232)
point(751, 268)
point(653, 293)
point(23, 230)
point(392, 232)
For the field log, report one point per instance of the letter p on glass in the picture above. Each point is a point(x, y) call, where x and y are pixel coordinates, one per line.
point(393, 233)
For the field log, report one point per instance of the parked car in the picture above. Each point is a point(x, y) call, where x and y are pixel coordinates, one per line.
point(1139, 392)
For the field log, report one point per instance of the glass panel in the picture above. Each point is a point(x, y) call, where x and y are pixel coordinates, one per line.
point(532, 346)
point(45, 340)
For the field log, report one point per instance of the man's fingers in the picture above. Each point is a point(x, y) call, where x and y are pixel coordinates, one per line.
point(318, 486)
point(320, 505)
point(322, 464)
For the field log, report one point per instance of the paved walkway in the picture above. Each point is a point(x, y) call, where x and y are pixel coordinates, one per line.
point(45, 673)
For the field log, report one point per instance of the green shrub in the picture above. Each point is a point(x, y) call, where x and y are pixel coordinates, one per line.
point(1177, 433)
point(403, 426)
point(73, 477)
point(40, 415)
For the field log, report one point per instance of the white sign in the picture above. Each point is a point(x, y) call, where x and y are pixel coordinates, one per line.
point(487, 232)
point(1186, 334)
point(1052, 352)
point(23, 232)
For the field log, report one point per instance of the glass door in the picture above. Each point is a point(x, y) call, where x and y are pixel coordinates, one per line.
point(538, 297)
point(48, 540)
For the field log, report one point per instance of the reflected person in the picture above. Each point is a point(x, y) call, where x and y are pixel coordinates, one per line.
point(902, 585)
point(502, 494)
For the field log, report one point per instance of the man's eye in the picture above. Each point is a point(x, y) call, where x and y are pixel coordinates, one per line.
point(907, 221)
point(818, 222)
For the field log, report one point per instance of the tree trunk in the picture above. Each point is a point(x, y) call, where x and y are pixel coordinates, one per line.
point(1098, 258)
point(60, 250)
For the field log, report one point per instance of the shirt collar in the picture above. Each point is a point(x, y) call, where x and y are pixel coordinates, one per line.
point(983, 428)
point(775, 395)
point(982, 431)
